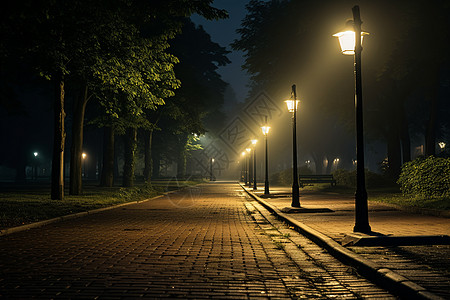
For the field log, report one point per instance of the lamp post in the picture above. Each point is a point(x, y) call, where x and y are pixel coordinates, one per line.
point(292, 105)
point(254, 164)
point(265, 130)
point(243, 167)
point(211, 177)
point(351, 44)
point(35, 164)
point(84, 155)
point(442, 146)
point(247, 174)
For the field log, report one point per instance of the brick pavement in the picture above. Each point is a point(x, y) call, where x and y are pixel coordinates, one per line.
point(428, 266)
point(196, 243)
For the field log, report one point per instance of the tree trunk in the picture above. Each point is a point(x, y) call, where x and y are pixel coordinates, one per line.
point(156, 158)
point(129, 157)
point(148, 168)
point(430, 134)
point(79, 107)
point(107, 177)
point(394, 154)
point(57, 186)
point(181, 160)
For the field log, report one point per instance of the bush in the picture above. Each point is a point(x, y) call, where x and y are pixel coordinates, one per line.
point(348, 179)
point(284, 178)
point(426, 177)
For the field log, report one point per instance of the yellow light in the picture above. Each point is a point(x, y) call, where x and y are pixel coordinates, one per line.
point(347, 39)
point(243, 153)
point(265, 130)
point(442, 145)
point(292, 105)
point(254, 142)
point(248, 150)
point(83, 155)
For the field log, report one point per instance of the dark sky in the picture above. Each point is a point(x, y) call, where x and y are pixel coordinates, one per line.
point(223, 32)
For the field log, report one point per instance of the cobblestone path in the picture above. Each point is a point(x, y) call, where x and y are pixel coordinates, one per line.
point(202, 242)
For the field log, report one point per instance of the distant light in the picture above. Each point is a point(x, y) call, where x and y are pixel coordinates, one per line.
point(292, 105)
point(254, 142)
point(35, 154)
point(265, 130)
point(248, 150)
point(243, 153)
point(442, 145)
point(347, 39)
point(84, 155)
point(212, 159)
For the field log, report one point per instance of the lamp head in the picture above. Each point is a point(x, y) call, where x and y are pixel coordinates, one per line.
point(347, 38)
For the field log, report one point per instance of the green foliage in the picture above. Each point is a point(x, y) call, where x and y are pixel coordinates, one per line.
point(284, 178)
point(348, 179)
point(426, 177)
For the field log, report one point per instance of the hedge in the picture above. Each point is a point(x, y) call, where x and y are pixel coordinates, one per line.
point(426, 177)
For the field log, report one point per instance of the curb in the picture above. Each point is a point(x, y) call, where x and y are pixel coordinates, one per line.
point(385, 277)
point(11, 230)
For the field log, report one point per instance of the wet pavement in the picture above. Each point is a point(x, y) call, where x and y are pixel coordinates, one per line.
point(412, 246)
point(208, 241)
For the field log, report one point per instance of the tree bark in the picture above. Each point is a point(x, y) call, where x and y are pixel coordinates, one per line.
point(148, 168)
point(156, 158)
point(394, 154)
point(79, 108)
point(181, 160)
point(107, 175)
point(59, 135)
point(130, 147)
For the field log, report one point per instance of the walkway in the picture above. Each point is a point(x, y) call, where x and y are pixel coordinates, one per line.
point(202, 242)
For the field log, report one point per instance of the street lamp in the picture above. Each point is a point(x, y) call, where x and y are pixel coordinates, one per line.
point(247, 175)
point(292, 105)
point(265, 130)
point(211, 170)
point(84, 155)
point(351, 44)
point(243, 166)
point(35, 164)
point(442, 145)
point(254, 164)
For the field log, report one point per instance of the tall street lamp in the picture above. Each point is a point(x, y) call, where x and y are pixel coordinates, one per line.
point(35, 164)
point(83, 156)
point(211, 177)
point(247, 175)
point(265, 130)
point(243, 166)
point(351, 44)
point(254, 164)
point(292, 105)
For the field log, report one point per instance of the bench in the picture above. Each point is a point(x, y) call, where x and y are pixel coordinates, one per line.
point(310, 179)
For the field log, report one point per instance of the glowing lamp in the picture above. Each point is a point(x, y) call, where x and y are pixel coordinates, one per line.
point(265, 130)
point(347, 38)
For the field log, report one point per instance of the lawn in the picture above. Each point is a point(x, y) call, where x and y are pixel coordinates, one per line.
point(389, 195)
point(24, 204)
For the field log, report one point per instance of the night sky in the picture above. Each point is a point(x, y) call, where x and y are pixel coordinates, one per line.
point(224, 33)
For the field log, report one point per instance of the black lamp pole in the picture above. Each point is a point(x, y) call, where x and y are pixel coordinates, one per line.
point(295, 187)
point(254, 167)
point(245, 169)
point(266, 181)
point(361, 207)
point(250, 169)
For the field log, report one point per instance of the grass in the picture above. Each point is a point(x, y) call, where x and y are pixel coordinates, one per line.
point(389, 194)
point(24, 204)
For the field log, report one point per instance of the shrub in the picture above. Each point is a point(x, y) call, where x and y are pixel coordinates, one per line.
point(348, 179)
point(284, 177)
point(426, 177)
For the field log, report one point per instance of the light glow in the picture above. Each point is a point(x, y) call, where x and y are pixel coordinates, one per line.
point(347, 41)
point(265, 130)
point(292, 105)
